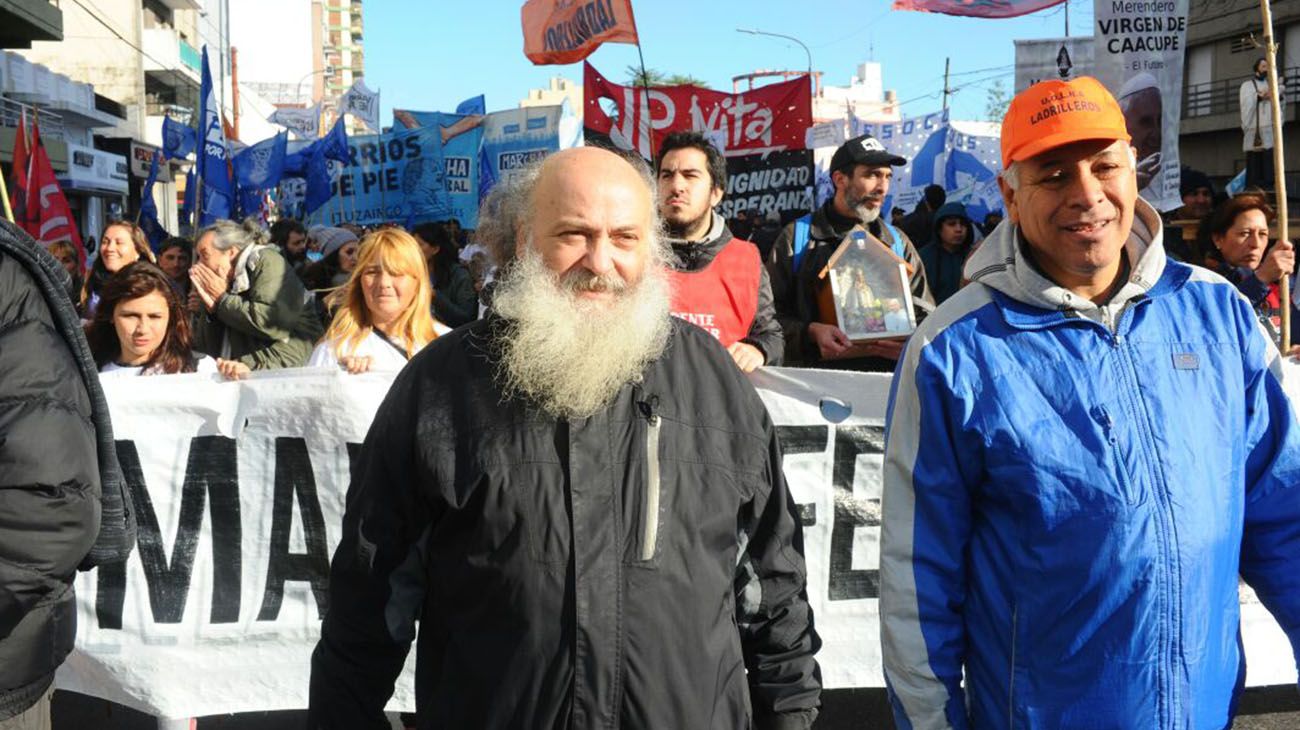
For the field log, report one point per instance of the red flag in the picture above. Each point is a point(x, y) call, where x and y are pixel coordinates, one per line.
point(51, 215)
point(977, 8)
point(18, 181)
point(567, 31)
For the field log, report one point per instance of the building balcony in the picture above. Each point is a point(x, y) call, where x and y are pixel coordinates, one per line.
point(24, 21)
point(1221, 96)
point(169, 58)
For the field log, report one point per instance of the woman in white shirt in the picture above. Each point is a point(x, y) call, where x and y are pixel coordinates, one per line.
point(383, 311)
point(141, 328)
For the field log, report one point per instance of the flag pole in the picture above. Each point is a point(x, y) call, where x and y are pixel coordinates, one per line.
point(4, 193)
point(1279, 166)
point(645, 85)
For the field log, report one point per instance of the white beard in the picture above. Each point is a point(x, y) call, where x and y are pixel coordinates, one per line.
point(571, 356)
point(867, 215)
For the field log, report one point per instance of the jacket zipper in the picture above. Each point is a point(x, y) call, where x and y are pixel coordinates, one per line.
point(650, 528)
point(1126, 484)
point(1170, 626)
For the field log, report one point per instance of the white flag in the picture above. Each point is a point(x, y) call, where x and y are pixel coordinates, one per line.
point(303, 122)
point(361, 103)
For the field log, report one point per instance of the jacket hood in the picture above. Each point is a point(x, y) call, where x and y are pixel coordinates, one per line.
point(952, 210)
point(1000, 263)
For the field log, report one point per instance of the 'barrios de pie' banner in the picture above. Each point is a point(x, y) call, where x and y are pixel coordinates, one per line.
point(239, 490)
point(399, 176)
point(762, 132)
point(1138, 55)
point(462, 134)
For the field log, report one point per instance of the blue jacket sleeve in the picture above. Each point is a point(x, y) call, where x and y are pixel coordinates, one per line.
point(925, 531)
point(1270, 546)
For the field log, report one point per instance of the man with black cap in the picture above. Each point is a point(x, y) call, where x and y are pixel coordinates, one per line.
point(1198, 201)
point(861, 170)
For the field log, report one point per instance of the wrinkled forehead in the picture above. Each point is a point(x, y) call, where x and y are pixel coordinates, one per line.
point(599, 196)
point(1093, 150)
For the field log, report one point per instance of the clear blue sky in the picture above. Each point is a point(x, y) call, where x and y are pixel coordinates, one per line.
point(430, 55)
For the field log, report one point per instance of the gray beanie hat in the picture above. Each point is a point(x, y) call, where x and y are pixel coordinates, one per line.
point(332, 239)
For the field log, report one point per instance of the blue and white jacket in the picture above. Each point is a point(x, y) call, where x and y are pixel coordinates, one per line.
point(1070, 493)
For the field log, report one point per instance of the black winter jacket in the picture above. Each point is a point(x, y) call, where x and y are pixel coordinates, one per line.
point(62, 496)
point(548, 595)
point(765, 332)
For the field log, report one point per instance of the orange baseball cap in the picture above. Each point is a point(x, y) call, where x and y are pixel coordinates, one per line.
point(1054, 113)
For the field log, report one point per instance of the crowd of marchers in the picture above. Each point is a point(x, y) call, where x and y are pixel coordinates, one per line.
point(578, 496)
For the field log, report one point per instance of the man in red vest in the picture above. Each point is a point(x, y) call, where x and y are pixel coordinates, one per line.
point(718, 281)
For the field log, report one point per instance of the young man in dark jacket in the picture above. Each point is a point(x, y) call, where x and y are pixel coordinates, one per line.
point(861, 170)
point(945, 254)
point(64, 504)
point(719, 282)
point(580, 498)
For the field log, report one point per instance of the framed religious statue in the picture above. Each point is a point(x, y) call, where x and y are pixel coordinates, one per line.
point(866, 290)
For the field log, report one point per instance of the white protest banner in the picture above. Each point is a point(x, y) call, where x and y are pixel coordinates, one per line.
point(1138, 51)
point(239, 491)
point(362, 103)
point(303, 122)
point(1041, 59)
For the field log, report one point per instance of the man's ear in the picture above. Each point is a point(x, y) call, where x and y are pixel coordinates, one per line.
point(1009, 200)
point(715, 197)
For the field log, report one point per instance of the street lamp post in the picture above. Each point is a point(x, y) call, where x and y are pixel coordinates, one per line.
point(752, 31)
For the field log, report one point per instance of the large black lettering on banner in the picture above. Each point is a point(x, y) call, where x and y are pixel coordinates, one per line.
point(850, 513)
point(294, 479)
point(212, 471)
point(780, 181)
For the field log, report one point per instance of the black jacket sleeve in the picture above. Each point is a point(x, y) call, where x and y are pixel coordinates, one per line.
point(790, 312)
point(922, 297)
point(369, 626)
point(49, 473)
point(765, 332)
point(772, 612)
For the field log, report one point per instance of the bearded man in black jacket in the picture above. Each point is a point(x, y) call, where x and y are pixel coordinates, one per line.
point(579, 497)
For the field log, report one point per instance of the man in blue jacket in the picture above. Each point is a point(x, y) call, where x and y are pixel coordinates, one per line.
point(1086, 446)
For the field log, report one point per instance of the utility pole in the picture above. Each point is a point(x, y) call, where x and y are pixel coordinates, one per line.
point(946, 91)
point(1067, 18)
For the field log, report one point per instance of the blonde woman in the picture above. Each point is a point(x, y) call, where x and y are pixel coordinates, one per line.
point(383, 316)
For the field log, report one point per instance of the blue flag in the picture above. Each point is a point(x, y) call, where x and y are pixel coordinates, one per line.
point(179, 139)
point(153, 230)
point(262, 165)
point(213, 170)
point(487, 173)
point(472, 105)
point(334, 146)
point(319, 189)
point(187, 205)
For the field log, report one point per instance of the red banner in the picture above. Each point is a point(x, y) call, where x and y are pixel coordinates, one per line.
point(772, 118)
point(977, 8)
point(567, 31)
point(50, 213)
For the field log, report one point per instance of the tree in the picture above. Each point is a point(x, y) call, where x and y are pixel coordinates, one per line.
point(996, 101)
point(653, 77)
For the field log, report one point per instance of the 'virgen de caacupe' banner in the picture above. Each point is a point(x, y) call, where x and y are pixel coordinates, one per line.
point(1138, 55)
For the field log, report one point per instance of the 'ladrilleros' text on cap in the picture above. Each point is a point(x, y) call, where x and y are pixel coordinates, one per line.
point(1053, 113)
